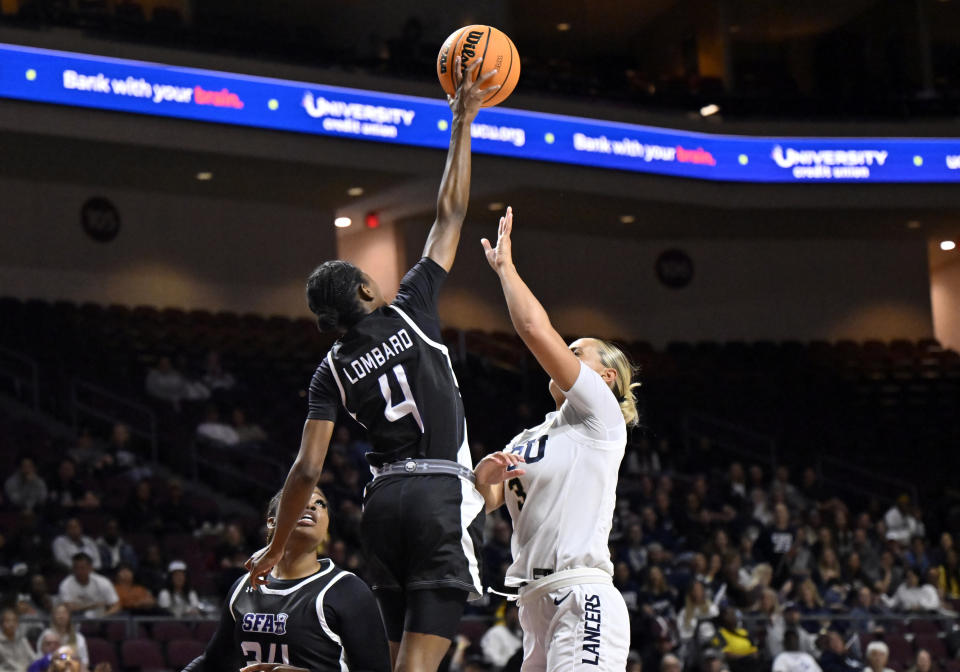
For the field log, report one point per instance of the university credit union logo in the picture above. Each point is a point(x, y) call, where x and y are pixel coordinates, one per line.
point(826, 164)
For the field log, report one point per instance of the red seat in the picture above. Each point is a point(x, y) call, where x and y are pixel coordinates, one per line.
point(901, 653)
point(931, 642)
point(204, 631)
point(142, 654)
point(180, 652)
point(166, 631)
point(101, 651)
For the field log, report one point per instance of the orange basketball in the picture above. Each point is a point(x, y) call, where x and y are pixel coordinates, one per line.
point(497, 51)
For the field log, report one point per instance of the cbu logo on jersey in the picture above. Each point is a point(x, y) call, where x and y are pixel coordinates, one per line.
point(591, 630)
point(273, 624)
point(531, 451)
point(378, 356)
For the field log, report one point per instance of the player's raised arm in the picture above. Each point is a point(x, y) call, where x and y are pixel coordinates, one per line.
point(529, 317)
point(298, 487)
point(454, 193)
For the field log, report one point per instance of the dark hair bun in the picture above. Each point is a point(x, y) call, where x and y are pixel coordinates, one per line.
point(328, 318)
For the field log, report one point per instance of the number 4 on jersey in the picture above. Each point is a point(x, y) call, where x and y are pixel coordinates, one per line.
point(406, 407)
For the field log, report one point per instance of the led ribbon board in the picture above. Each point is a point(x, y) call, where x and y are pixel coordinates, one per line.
point(97, 82)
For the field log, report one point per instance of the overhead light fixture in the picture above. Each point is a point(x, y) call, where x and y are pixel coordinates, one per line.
point(913, 224)
point(627, 219)
point(355, 191)
point(735, 28)
point(496, 205)
point(204, 176)
point(563, 27)
point(709, 110)
point(947, 245)
point(342, 222)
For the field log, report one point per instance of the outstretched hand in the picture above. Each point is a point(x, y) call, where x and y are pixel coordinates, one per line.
point(497, 468)
point(470, 92)
point(260, 564)
point(501, 255)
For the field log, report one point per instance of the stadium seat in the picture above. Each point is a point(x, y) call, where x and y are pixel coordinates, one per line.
point(931, 642)
point(167, 631)
point(142, 654)
point(204, 631)
point(101, 651)
point(182, 651)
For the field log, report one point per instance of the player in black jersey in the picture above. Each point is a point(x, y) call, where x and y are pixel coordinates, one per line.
point(423, 517)
point(309, 615)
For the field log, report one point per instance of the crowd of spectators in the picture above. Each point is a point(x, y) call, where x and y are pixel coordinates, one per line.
point(723, 565)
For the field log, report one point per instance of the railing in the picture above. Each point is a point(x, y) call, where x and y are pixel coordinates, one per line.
point(92, 401)
point(23, 374)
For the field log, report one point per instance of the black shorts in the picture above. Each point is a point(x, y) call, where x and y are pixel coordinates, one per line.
point(423, 532)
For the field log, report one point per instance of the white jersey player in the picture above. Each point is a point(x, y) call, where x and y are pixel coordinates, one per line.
point(561, 499)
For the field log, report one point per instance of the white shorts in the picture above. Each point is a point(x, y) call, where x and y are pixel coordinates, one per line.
point(582, 628)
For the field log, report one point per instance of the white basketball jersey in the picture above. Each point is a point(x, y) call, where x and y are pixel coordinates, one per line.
point(562, 507)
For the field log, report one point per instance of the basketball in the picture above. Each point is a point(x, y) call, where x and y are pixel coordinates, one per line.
point(497, 51)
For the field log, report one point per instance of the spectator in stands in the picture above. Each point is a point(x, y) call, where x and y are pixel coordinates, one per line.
point(810, 605)
point(73, 541)
point(66, 494)
point(88, 455)
point(890, 574)
point(917, 557)
point(166, 383)
point(949, 576)
point(812, 488)
point(632, 551)
point(696, 607)
point(66, 633)
point(863, 610)
point(503, 639)
point(624, 582)
point(37, 601)
point(761, 512)
point(215, 377)
point(734, 641)
point(658, 598)
point(178, 597)
point(828, 568)
point(836, 658)
point(854, 575)
point(88, 592)
point(247, 432)
point(65, 660)
point(24, 488)
point(232, 553)
point(792, 659)
point(213, 429)
point(878, 653)
point(775, 542)
point(842, 534)
point(923, 662)
point(737, 495)
point(175, 511)
point(114, 551)
point(781, 485)
point(133, 597)
point(142, 512)
point(152, 570)
point(912, 596)
point(16, 654)
point(497, 556)
point(122, 454)
point(900, 522)
point(946, 545)
point(47, 646)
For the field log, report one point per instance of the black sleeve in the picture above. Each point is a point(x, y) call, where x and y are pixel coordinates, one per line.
point(418, 295)
point(351, 612)
point(324, 397)
point(220, 651)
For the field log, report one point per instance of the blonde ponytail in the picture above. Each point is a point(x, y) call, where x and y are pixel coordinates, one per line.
point(613, 357)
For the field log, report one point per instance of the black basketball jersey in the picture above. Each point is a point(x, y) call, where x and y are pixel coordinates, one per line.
point(326, 622)
point(394, 376)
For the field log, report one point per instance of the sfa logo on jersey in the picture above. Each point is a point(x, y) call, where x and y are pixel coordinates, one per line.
point(272, 624)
